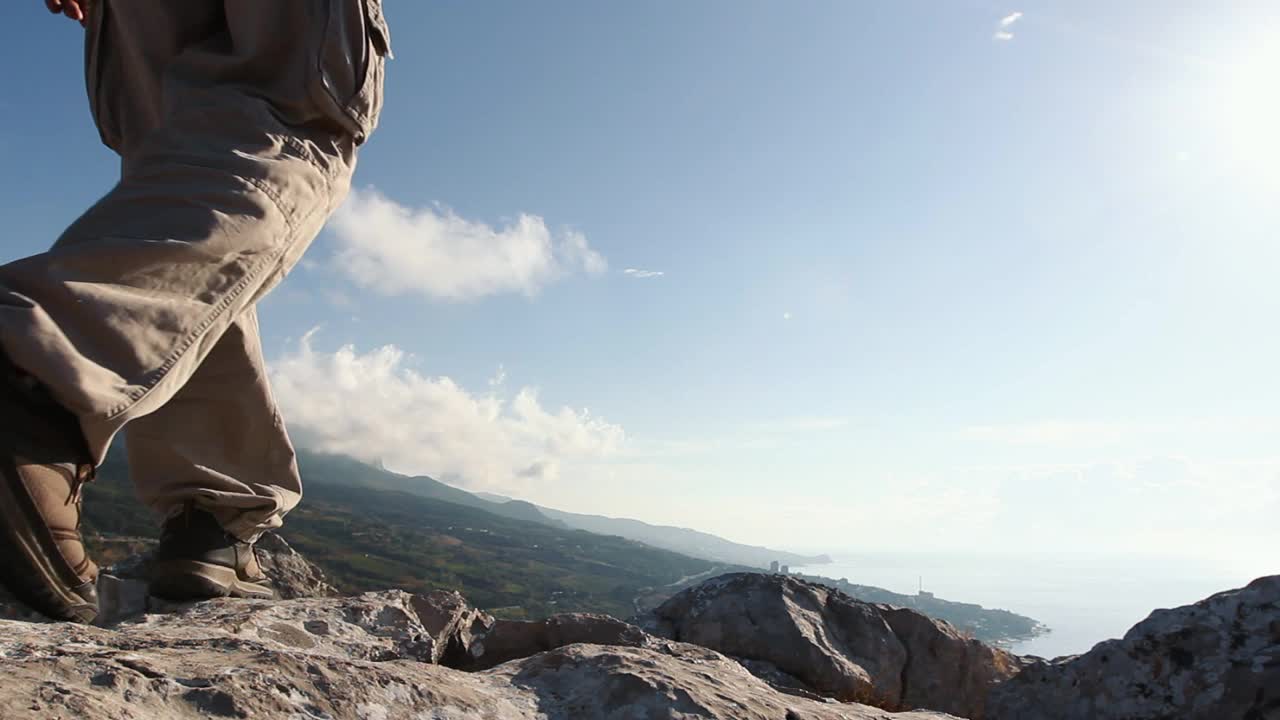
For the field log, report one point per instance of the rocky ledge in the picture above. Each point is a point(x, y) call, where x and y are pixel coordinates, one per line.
point(375, 656)
point(366, 658)
point(741, 646)
point(1218, 659)
point(801, 635)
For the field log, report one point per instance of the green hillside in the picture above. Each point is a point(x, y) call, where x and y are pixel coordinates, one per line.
point(346, 471)
point(371, 539)
point(340, 470)
point(367, 535)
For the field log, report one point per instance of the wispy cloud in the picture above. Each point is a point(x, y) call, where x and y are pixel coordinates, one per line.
point(1089, 433)
point(638, 273)
point(431, 251)
point(372, 405)
point(1010, 19)
point(1004, 31)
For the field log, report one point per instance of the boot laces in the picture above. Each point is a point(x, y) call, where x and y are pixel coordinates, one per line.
point(84, 473)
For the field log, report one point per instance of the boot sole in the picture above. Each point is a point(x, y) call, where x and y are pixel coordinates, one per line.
point(185, 580)
point(33, 570)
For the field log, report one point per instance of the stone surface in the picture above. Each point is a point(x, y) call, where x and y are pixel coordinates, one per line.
point(292, 575)
point(373, 626)
point(835, 645)
point(674, 680)
point(789, 646)
point(1214, 660)
point(454, 625)
point(505, 640)
point(120, 598)
point(360, 658)
point(945, 669)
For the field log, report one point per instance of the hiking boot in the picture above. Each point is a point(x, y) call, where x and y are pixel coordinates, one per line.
point(43, 465)
point(198, 560)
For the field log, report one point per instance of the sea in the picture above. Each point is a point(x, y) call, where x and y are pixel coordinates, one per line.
point(1083, 599)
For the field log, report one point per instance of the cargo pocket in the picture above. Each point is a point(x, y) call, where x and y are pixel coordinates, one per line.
point(355, 46)
point(95, 71)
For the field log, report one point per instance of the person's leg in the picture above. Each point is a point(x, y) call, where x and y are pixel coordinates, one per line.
point(220, 442)
point(216, 463)
point(216, 200)
point(245, 147)
point(42, 449)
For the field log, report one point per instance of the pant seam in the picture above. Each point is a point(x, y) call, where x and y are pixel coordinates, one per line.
point(220, 308)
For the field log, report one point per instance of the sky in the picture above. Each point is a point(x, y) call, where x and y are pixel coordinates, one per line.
point(826, 275)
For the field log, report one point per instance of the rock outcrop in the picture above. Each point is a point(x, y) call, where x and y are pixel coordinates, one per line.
point(1216, 659)
point(364, 658)
point(292, 575)
point(741, 646)
point(503, 640)
point(454, 626)
point(834, 645)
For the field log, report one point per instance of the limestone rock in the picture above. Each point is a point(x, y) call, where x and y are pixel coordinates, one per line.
point(835, 645)
point(506, 640)
point(120, 598)
point(373, 626)
point(361, 658)
point(454, 625)
point(470, 639)
point(292, 575)
point(1216, 659)
point(674, 680)
point(779, 680)
point(946, 670)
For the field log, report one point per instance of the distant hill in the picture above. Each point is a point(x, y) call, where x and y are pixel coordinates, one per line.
point(367, 534)
point(341, 470)
point(367, 537)
point(990, 625)
point(683, 540)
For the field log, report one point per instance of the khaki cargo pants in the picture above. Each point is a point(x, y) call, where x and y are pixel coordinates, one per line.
point(237, 123)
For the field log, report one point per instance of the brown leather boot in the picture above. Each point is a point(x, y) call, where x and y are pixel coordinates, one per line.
point(198, 560)
point(43, 465)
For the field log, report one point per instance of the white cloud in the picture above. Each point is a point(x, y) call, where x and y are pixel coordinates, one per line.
point(1010, 19)
point(638, 273)
point(786, 316)
point(1006, 22)
point(375, 407)
point(395, 250)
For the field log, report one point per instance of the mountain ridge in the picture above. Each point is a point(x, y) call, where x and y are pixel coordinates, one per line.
point(683, 540)
point(367, 535)
point(687, 541)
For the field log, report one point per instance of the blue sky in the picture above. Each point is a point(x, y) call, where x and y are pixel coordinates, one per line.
point(933, 274)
